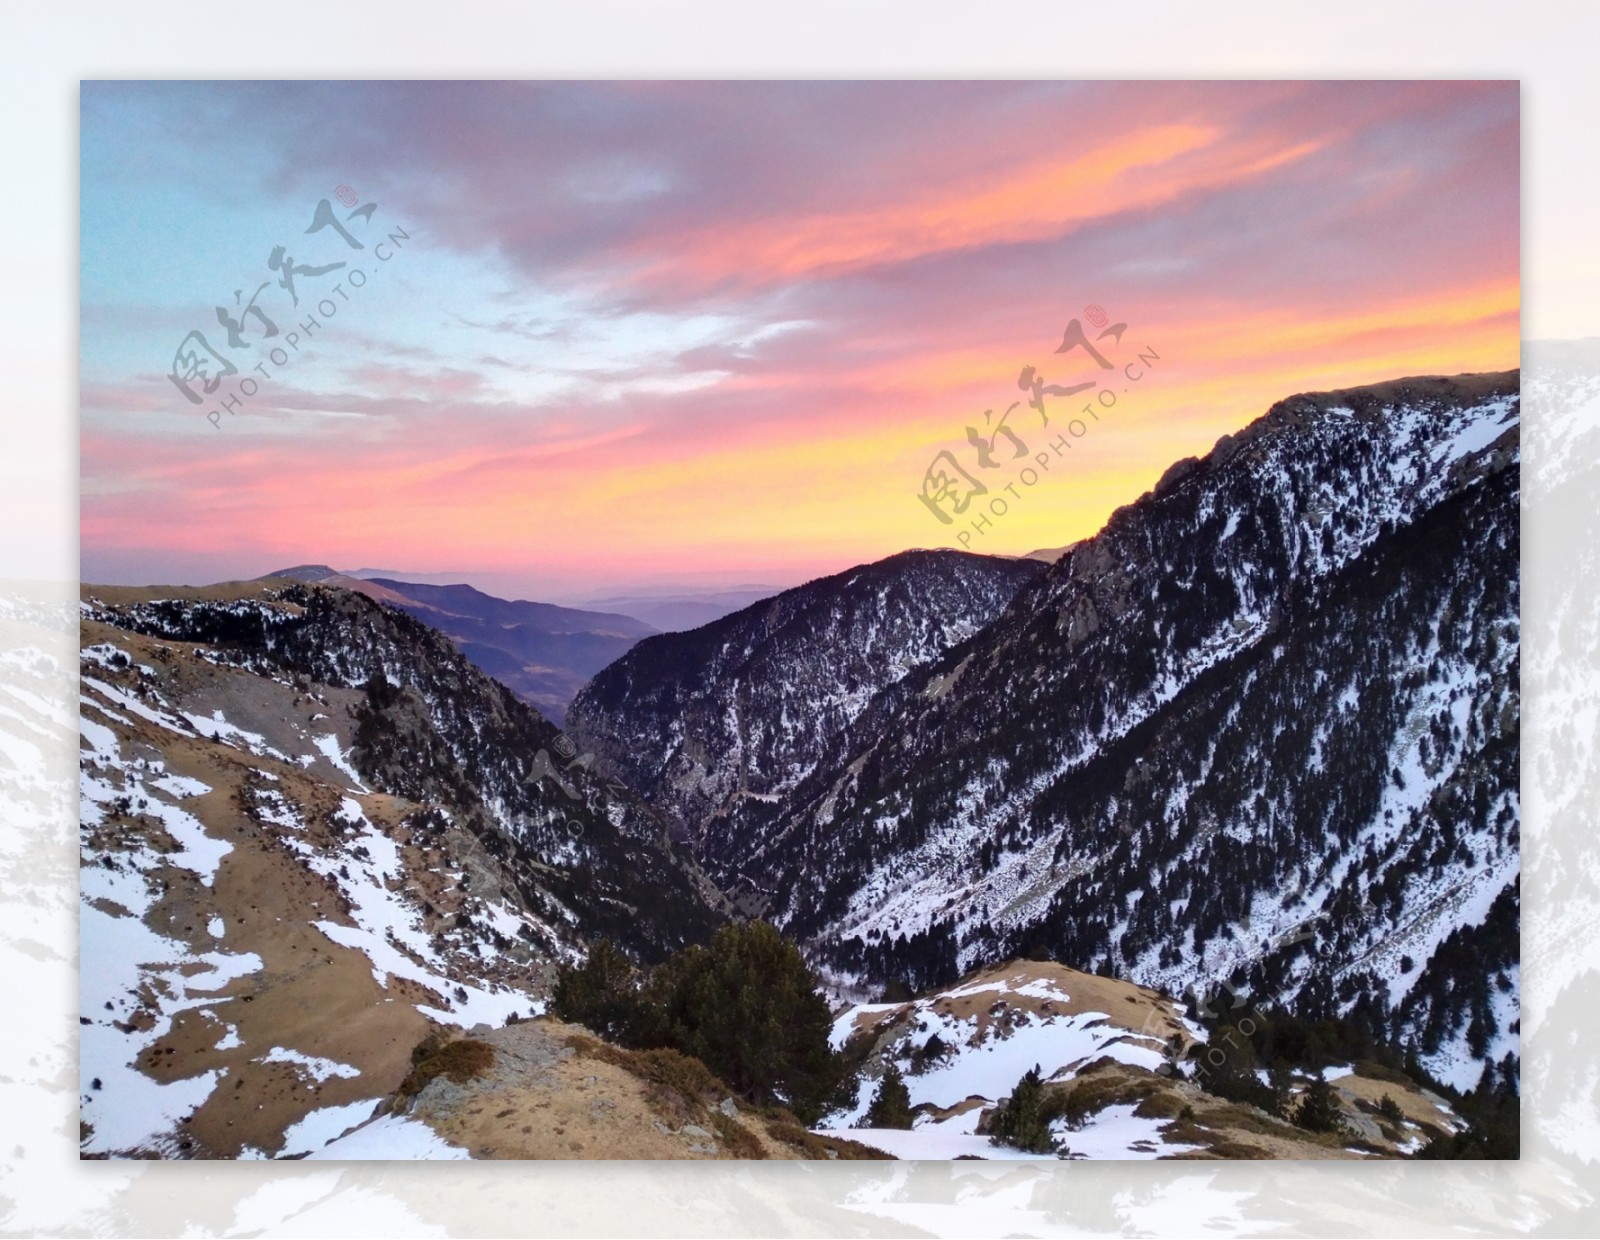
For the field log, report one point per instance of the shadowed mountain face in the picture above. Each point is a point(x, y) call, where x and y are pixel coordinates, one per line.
point(1262, 729)
point(743, 707)
point(541, 652)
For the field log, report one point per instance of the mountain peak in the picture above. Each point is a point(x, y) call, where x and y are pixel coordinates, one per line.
point(311, 574)
point(1370, 402)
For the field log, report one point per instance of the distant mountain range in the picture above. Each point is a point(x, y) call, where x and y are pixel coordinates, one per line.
point(683, 610)
point(1049, 555)
point(667, 609)
point(541, 652)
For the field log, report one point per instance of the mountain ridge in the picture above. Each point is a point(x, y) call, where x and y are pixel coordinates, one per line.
point(1255, 742)
point(1000, 788)
point(821, 649)
point(543, 652)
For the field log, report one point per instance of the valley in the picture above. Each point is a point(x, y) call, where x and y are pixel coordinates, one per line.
point(1246, 760)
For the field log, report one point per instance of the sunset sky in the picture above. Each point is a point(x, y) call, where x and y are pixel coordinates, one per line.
point(636, 334)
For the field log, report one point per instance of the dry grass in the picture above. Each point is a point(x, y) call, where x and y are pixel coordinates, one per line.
point(1093, 1092)
point(811, 1145)
point(461, 1061)
point(739, 1141)
point(1247, 1119)
point(1377, 1072)
point(681, 1088)
point(1369, 1087)
point(1233, 1131)
point(1107, 1083)
point(1162, 1104)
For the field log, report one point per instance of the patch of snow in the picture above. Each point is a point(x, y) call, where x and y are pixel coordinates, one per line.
point(125, 963)
point(181, 786)
point(845, 1024)
point(229, 1040)
point(388, 927)
point(1057, 1045)
point(275, 808)
point(985, 1059)
point(134, 706)
point(313, 1066)
point(1476, 435)
point(329, 747)
point(219, 729)
point(1114, 1133)
point(393, 1138)
point(315, 1130)
point(1117, 1133)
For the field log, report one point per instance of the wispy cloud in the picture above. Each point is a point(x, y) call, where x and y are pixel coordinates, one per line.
point(703, 324)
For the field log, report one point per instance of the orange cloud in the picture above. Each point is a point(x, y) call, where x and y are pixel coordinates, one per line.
point(1138, 171)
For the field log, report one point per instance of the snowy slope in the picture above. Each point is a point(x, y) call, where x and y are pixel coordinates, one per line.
point(1262, 729)
point(286, 879)
point(1118, 1060)
point(740, 709)
point(971, 1043)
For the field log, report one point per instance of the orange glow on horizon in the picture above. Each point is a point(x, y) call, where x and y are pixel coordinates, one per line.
point(848, 492)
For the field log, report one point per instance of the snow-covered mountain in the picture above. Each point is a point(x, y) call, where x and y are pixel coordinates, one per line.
point(1120, 1062)
point(1262, 730)
point(742, 708)
point(309, 830)
point(1261, 733)
point(541, 652)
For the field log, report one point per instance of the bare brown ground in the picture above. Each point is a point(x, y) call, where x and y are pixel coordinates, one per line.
point(1415, 1106)
point(554, 1092)
point(311, 995)
point(1137, 1009)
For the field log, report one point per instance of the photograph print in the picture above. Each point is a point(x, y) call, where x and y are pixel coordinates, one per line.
point(799, 620)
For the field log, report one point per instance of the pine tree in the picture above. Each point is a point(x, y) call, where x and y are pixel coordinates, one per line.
point(896, 991)
point(1279, 1080)
point(1412, 1065)
point(602, 994)
point(1021, 1122)
point(747, 1006)
point(891, 1105)
point(1319, 1110)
